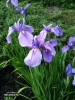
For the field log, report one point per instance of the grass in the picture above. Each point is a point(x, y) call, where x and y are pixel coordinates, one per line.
point(53, 74)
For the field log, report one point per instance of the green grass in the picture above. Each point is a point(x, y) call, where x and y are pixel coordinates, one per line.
point(48, 81)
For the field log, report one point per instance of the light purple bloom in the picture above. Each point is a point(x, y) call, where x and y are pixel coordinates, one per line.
point(25, 37)
point(70, 44)
point(56, 29)
point(14, 2)
point(23, 10)
point(34, 57)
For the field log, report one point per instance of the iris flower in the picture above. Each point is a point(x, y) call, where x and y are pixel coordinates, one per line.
point(23, 10)
point(25, 37)
point(14, 2)
point(40, 48)
point(70, 71)
point(70, 44)
point(56, 29)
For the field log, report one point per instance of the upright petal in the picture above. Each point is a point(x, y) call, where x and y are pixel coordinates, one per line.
point(14, 2)
point(47, 55)
point(69, 70)
point(27, 6)
point(25, 39)
point(34, 58)
point(65, 49)
point(57, 30)
point(48, 27)
point(41, 37)
point(7, 3)
point(10, 31)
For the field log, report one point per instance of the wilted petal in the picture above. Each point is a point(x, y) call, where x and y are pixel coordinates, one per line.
point(34, 58)
point(47, 55)
point(25, 39)
point(10, 31)
point(53, 42)
point(14, 2)
point(65, 49)
point(69, 70)
point(57, 30)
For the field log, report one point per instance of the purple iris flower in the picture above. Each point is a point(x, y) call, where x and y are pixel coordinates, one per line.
point(56, 29)
point(14, 2)
point(70, 70)
point(23, 10)
point(70, 44)
point(25, 37)
point(34, 57)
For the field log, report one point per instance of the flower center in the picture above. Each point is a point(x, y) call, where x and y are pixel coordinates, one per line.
point(22, 31)
point(35, 49)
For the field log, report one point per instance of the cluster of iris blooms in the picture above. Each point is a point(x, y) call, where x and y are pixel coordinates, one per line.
point(39, 48)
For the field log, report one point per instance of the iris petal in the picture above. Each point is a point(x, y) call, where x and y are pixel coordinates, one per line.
point(14, 2)
point(10, 31)
point(34, 58)
point(25, 39)
point(47, 56)
point(65, 49)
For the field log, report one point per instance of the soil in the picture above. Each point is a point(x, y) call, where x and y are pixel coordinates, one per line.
point(8, 84)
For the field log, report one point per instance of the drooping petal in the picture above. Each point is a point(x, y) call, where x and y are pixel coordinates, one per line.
point(28, 28)
point(65, 49)
point(25, 39)
point(57, 30)
point(10, 31)
point(69, 70)
point(53, 42)
point(34, 58)
point(14, 2)
point(47, 55)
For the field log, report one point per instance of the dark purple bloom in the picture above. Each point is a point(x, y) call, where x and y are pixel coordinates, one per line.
point(70, 44)
point(23, 10)
point(35, 56)
point(56, 29)
point(14, 2)
point(25, 37)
